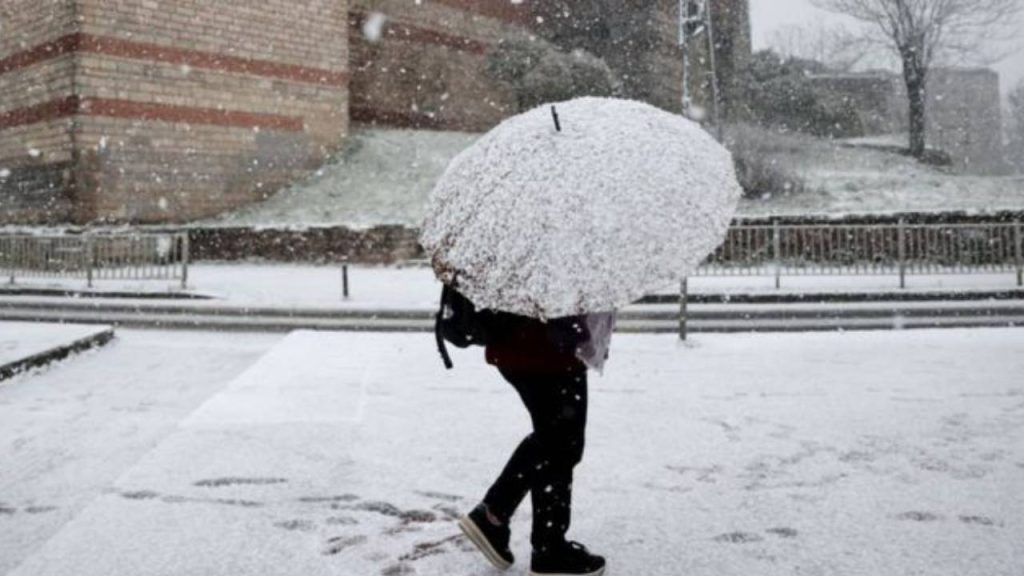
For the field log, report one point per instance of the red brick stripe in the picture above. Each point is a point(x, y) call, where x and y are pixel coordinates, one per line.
point(40, 113)
point(147, 111)
point(131, 49)
point(418, 35)
point(497, 9)
point(392, 118)
point(43, 52)
point(111, 108)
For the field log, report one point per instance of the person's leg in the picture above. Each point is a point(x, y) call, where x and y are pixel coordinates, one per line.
point(511, 486)
point(559, 439)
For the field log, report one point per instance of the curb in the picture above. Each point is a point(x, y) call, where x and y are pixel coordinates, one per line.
point(835, 297)
point(94, 294)
point(736, 318)
point(57, 354)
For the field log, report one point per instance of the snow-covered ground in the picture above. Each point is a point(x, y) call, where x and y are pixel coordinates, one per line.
point(286, 285)
point(845, 179)
point(350, 454)
point(20, 340)
point(384, 177)
point(67, 432)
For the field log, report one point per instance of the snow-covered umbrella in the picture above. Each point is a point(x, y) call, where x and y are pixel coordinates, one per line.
point(579, 207)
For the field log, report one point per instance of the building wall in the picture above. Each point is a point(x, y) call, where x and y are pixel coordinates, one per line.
point(964, 118)
point(182, 109)
point(427, 66)
point(36, 73)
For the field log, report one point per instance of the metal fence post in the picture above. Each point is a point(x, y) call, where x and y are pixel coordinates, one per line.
point(1018, 243)
point(344, 281)
point(10, 256)
point(901, 242)
point(684, 297)
point(777, 252)
point(185, 256)
point(90, 261)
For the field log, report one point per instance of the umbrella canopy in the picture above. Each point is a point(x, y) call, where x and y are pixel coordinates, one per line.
point(549, 218)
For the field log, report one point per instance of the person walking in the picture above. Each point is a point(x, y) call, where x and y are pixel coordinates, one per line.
point(546, 363)
point(566, 212)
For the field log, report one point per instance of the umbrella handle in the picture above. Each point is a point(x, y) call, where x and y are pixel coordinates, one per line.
point(554, 114)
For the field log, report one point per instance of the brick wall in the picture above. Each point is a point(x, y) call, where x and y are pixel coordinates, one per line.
point(181, 109)
point(35, 131)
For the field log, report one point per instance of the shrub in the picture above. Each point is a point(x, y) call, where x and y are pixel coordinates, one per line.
point(755, 153)
point(779, 94)
point(539, 72)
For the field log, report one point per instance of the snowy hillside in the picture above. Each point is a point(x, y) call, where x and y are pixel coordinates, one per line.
point(384, 177)
point(848, 178)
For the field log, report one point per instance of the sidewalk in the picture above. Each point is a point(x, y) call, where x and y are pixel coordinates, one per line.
point(350, 455)
point(24, 346)
point(392, 288)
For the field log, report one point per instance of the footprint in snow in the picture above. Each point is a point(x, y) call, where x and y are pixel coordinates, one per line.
point(915, 516)
point(738, 538)
point(341, 543)
point(231, 481)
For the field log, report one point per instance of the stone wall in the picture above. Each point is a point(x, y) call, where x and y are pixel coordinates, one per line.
point(964, 118)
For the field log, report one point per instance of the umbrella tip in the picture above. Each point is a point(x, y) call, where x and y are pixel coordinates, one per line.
point(554, 114)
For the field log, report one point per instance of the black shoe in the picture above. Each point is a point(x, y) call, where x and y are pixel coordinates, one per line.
point(568, 559)
point(490, 539)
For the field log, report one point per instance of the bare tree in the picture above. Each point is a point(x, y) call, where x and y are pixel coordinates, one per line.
point(921, 31)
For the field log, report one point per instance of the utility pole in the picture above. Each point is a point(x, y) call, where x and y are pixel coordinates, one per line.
point(694, 20)
point(715, 99)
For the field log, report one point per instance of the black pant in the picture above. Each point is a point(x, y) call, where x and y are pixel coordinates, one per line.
point(544, 461)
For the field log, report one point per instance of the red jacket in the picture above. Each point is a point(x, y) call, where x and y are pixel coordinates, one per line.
point(522, 344)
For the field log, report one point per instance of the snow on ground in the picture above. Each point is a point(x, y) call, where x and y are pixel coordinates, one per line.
point(858, 453)
point(20, 340)
point(287, 285)
point(846, 179)
point(69, 431)
point(385, 176)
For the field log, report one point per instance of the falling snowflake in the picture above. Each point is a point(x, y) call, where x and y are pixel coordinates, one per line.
point(373, 27)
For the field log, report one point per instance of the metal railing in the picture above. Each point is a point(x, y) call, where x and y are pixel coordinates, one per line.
point(96, 257)
point(849, 249)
